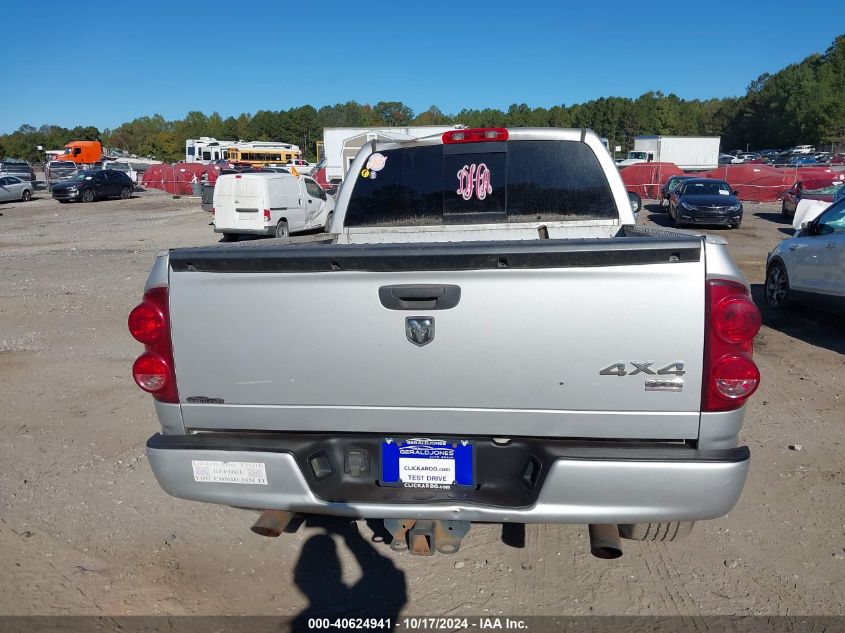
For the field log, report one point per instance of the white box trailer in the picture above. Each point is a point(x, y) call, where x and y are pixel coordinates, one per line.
point(341, 144)
point(687, 152)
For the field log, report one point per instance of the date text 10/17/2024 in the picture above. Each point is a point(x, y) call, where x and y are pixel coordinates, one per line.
point(419, 623)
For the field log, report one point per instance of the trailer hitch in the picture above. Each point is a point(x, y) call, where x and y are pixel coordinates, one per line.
point(423, 538)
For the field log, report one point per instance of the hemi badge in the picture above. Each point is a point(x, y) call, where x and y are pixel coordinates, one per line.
point(664, 385)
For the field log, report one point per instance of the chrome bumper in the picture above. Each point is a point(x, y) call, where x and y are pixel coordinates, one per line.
point(584, 487)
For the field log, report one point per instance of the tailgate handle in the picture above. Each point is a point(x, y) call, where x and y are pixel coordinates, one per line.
point(419, 297)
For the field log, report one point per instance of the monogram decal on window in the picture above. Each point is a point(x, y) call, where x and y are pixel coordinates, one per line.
point(474, 180)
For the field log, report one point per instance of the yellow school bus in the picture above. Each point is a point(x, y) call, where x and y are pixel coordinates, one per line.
point(261, 157)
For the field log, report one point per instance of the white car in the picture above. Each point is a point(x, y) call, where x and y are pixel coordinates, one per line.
point(803, 149)
point(811, 264)
point(14, 188)
point(125, 167)
point(302, 166)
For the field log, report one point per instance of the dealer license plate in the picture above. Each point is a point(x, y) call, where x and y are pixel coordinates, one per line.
point(427, 463)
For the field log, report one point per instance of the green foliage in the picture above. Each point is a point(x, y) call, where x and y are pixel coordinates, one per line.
point(23, 143)
point(393, 113)
point(803, 103)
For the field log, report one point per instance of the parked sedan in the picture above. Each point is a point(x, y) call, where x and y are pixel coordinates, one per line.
point(802, 159)
point(91, 184)
point(14, 188)
point(798, 192)
point(667, 189)
point(705, 201)
point(810, 265)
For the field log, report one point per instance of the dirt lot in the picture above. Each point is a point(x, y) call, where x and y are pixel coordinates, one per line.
point(85, 529)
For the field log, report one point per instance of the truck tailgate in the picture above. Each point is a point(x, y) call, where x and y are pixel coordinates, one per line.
point(298, 338)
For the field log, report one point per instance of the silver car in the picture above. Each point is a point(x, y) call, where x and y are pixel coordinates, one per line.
point(14, 188)
point(810, 265)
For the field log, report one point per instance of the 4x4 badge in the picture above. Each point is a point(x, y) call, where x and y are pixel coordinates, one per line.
point(419, 330)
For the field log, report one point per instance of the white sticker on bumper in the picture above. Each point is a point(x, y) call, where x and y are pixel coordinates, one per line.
point(251, 473)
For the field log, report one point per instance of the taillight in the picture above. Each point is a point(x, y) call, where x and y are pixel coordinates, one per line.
point(730, 375)
point(736, 319)
point(151, 372)
point(475, 135)
point(266, 215)
point(213, 212)
point(146, 323)
point(735, 376)
point(149, 323)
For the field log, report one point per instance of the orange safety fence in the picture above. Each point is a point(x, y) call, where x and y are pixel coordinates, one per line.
point(179, 178)
point(753, 183)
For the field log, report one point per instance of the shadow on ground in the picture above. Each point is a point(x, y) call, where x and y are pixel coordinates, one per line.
point(661, 219)
point(380, 593)
point(778, 218)
point(805, 321)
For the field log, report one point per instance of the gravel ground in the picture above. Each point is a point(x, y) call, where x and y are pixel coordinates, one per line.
point(85, 529)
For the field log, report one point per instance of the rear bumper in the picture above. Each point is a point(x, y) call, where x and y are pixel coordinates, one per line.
point(581, 482)
point(270, 230)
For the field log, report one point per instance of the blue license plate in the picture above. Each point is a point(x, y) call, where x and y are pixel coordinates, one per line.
point(427, 463)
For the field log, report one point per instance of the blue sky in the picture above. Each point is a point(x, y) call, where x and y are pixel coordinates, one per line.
point(103, 63)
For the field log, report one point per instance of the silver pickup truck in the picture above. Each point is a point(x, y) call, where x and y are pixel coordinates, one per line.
point(484, 335)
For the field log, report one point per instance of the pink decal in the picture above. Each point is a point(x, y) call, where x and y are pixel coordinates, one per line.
point(375, 163)
point(474, 179)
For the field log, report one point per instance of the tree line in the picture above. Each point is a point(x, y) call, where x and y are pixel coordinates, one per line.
point(802, 103)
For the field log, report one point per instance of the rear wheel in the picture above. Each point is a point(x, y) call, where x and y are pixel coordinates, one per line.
point(777, 286)
point(328, 221)
point(88, 195)
point(26, 196)
point(229, 237)
point(125, 193)
point(658, 532)
point(783, 209)
point(282, 229)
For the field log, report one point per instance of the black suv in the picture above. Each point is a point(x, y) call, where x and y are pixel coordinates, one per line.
point(91, 184)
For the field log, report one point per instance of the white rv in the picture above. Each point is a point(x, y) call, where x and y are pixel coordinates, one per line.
point(206, 149)
point(341, 144)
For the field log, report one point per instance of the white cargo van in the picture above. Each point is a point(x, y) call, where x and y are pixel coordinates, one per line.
point(264, 203)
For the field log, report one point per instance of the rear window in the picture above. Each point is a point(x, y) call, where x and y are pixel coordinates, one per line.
point(247, 187)
point(479, 183)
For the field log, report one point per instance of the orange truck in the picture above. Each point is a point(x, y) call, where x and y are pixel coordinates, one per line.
point(82, 152)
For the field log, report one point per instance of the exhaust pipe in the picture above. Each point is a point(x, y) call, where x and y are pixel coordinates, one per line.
point(272, 523)
point(604, 540)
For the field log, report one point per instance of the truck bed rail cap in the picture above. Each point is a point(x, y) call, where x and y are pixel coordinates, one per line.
point(428, 256)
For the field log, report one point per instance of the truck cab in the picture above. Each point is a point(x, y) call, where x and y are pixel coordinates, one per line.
point(635, 157)
point(82, 152)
